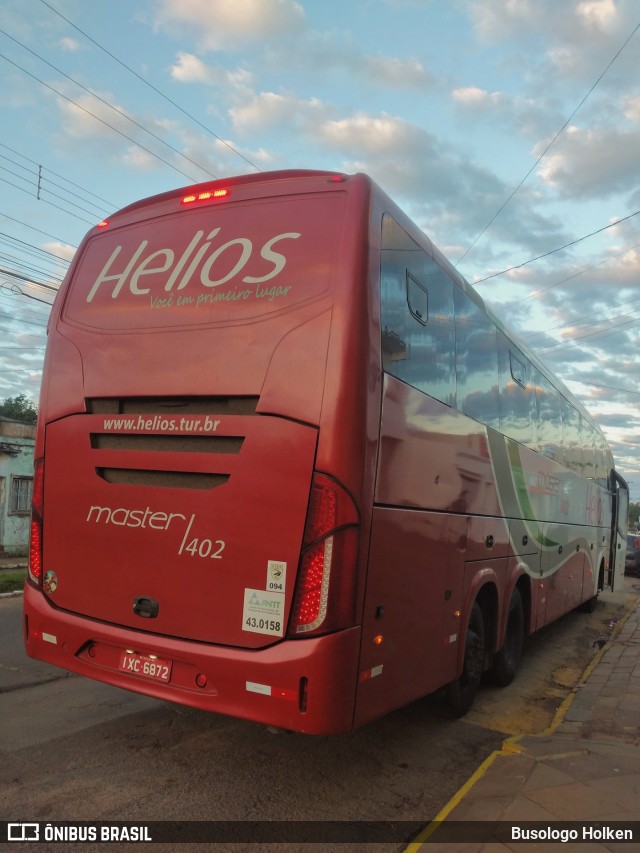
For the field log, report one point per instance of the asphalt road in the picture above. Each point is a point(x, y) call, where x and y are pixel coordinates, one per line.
point(74, 749)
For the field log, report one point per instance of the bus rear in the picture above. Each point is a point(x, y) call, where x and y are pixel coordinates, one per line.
point(200, 478)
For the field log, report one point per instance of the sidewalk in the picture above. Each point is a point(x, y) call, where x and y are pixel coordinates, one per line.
point(13, 563)
point(585, 768)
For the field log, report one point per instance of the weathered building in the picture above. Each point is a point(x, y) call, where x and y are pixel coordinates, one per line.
point(17, 442)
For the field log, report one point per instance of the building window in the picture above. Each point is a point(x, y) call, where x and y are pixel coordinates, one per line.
point(21, 490)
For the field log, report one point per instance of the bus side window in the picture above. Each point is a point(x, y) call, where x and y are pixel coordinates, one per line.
point(517, 397)
point(476, 361)
point(571, 436)
point(549, 421)
point(417, 315)
point(603, 459)
point(587, 448)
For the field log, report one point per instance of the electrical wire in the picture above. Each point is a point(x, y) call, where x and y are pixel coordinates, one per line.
point(39, 189)
point(558, 249)
point(31, 249)
point(606, 260)
point(532, 336)
point(151, 86)
point(110, 105)
point(97, 118)
point(604, 333)
point(607, 387)
point(109, 204)
point(38, 230)
point(562, 129)
point(51, 203)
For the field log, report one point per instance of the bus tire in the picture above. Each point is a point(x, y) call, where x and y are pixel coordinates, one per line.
point(462, 691)
point(506, 661)
point(589, 606)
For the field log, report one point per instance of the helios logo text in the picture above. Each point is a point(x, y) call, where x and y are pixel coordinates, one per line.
point(197, 262)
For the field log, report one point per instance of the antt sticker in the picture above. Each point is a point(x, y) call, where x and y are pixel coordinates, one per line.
point(263, 612)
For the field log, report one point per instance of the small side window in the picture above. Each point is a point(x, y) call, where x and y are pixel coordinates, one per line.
point(418, 300)
point(518, 370)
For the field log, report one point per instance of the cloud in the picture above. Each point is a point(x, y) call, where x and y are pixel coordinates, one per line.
point(270, 110)
point(60, 250)
point(116, 133)
point(593, 163)
point(69, 44)
point(632, 108)
point(228, 24)
point(475, 97)
point(189, 68)
point(599, 14)
point(393, 73)
point(495, 20)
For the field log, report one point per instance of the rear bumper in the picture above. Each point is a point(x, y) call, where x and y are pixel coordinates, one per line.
point(305, 685)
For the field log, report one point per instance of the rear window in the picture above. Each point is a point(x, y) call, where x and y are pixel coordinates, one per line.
point(219, 264)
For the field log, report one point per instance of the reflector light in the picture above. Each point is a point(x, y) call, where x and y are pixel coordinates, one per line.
point(206, 195)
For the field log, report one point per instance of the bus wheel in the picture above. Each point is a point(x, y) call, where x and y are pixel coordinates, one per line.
point(505, 662)
point(589, 606)
point(462, 691)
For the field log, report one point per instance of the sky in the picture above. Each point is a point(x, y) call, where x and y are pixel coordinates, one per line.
point(509, 130)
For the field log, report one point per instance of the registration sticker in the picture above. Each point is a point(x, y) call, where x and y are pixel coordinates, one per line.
point(263, 612)
point(276, 575)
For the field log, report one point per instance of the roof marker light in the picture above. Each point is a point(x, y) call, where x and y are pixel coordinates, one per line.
point(103, 224)
point(207, 195)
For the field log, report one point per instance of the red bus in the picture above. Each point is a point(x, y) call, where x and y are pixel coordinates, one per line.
point(289, 468)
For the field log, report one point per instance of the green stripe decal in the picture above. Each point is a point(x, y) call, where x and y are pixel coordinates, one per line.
point(522, 495)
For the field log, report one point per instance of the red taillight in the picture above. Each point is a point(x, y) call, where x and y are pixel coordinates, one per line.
point(35, 547)
point(326, 583)
point(207, 195)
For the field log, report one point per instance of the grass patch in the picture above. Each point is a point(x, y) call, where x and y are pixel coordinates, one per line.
point(13, 580)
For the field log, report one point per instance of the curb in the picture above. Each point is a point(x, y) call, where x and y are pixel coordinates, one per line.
point(510, 744)
point(12, 594)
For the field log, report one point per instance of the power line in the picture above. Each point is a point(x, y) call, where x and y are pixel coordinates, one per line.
point(28, 280)
point(33, 273)
point(559, 249)
point(562, 129)
point(39, 189)
point(38, 231)
point(608, 387)
point(109, 204)
point(23, 334)
point(97, 118)
point(24, 322)
point(38, 177)
point(111, 106)
point(572, 276)
point(51, 203)
point(151, 86)
point(29, 248)
point(531, 336)
point(604, 333)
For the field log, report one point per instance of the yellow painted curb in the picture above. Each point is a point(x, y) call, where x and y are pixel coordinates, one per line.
point(511, 746)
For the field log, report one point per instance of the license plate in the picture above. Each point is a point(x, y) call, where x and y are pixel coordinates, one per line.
point(148, 666)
